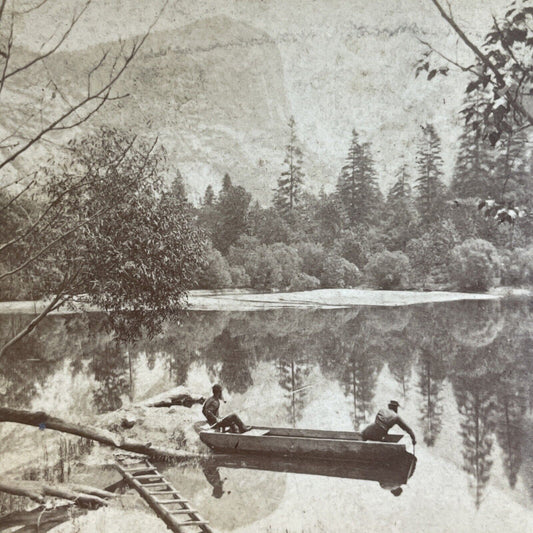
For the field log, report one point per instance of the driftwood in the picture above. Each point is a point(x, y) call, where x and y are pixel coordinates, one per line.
point(37, 491)
point(44, 421)
point(41, 518)
point(178, 399)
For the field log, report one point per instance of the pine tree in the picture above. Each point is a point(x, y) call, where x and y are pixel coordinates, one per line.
point(429, 187)
point(231, 214)
point(473, 169)
point(209, 196)
point(473, 173)
point(290, 182)
point(400, 213)
point(357, 185)
point(178, 187)
point(400, 192)
point(512, 181)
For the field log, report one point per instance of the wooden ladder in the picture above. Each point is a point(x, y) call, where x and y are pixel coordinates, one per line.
point(160, 495)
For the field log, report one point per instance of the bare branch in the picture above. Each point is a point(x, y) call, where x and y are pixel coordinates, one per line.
point(447, 59)
point(95, 68)
point(15, 182)
point(30, 9)
point(17, 196)
point(56, 124)
point(56, 301)
point(484, 59)
point(2, 6)
point(82, 182)
point(50, 245)
point(7, 55)
point(62, 39)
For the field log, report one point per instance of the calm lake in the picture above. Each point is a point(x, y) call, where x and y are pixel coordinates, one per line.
point(462, 372)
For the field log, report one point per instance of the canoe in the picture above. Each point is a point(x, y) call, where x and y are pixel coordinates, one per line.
point(307, 443)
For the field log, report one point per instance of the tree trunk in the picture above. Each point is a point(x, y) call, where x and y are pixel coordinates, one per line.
point(81, 495)
point(44, 519)
point(44, 421)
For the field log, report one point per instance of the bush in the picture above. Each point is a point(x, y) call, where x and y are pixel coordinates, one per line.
point(517, 266)
point(304, 282)
point(239, 277)
point(313, 257)
point(240, 251)
point(338, 273)
point(263, 269)
point(215, 273)
point(288, 260)
point(388, 270)
point(474, 265)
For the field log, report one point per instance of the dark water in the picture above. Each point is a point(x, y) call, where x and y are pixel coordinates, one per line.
point(463, 372)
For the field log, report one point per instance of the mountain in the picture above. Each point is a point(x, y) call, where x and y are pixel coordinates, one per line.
point(218, 94)
point(212, 92)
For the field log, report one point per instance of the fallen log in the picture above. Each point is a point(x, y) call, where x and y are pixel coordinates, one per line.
point(87, 497)
point(42, 518)
point(177, 399)
point(44, 421)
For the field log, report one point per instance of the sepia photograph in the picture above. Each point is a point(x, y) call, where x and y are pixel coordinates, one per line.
point(266, 266)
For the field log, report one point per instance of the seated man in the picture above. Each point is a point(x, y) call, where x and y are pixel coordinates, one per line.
point(210, 411)
point(385, 419)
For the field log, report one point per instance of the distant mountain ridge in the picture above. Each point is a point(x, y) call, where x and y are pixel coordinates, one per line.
point(218, 96)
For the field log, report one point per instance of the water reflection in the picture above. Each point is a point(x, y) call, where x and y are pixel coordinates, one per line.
point(389, 477)
point(464, 368)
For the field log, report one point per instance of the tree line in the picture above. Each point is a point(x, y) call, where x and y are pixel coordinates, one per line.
point(422, 234)
point(106, 221)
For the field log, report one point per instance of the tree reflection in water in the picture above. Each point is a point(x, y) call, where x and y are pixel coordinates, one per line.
point(483, 349)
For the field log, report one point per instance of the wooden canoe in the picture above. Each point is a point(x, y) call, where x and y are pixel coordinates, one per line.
point(307, 443)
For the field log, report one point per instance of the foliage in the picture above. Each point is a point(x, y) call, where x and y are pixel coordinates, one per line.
point(267, 226)
point(313, 256)
point(263, 269)
point(338, 272)
point(501, 71)
point(388, 270)
point(288, 260)
point(141, 252)
point(517, 266)
point(474, 265)
point(239, 277)
point(304, 282)
point(215, 271)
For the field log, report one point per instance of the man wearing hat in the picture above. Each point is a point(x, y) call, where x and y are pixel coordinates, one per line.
point(210, 411)
point(385, 419)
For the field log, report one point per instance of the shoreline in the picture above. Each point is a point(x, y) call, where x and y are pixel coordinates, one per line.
point(243, 300)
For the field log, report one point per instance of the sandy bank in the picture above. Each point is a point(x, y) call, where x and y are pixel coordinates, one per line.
point(240, 300)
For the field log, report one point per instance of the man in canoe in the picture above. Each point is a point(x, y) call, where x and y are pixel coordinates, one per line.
point(385, 419)
point(210, 411)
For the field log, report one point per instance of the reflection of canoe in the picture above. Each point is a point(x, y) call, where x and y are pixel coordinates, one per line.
point(392, 475)
point(304, 443)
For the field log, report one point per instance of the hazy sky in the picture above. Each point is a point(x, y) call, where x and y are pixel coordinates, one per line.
point(109, 19)
point(346, 63)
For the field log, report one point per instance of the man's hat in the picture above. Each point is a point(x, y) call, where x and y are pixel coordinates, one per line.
point(394, 403)
point(218, 387)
